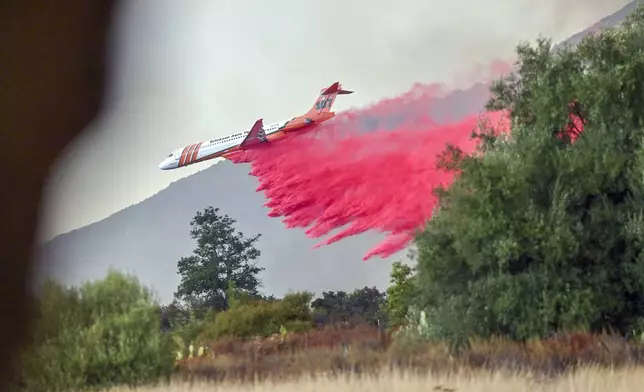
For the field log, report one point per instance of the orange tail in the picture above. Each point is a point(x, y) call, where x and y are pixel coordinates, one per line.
point(326, 98)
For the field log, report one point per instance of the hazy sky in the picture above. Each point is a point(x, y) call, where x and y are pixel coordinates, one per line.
point(192, 70)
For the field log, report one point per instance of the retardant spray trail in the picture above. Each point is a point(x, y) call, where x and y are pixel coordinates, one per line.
point(338, 177)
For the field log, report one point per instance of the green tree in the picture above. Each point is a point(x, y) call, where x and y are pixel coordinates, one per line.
point(358, 307)
point(222, 256)
point(400, 294)
point(174, 315)
point(542, 232)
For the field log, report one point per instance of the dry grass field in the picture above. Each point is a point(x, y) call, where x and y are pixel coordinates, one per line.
point(361, 359)
point(584, 380)
point(363, 350)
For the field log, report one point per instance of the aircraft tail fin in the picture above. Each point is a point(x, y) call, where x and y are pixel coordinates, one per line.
point(325, 100)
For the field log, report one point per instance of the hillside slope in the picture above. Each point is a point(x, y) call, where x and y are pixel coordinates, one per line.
point(149, 238)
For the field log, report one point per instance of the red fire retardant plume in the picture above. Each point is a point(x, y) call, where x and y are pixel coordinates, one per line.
point(336, 177)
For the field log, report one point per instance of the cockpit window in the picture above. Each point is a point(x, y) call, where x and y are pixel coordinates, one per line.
point(170, 156)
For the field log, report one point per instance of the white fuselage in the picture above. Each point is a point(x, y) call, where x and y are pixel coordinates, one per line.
point(211, 149)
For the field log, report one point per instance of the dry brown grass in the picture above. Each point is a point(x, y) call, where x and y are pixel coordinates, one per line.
point(588, 379)
point(367, 352)
point(363, 359)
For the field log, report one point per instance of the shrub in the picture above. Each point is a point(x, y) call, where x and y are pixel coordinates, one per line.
point(106, 333)
point(262, 318)
point(189, 332)
point(400, 294)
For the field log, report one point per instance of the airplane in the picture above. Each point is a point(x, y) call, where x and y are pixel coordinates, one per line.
point(259, 135)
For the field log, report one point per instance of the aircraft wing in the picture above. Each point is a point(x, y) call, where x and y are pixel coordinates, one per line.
point(255, 136)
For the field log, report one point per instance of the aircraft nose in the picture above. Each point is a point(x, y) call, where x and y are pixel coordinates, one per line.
point(163, 165)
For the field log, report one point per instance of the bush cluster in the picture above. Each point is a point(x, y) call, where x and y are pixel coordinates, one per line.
point(103, 334)
point(261, 318)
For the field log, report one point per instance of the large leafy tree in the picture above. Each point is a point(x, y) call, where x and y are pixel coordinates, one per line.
point(541, 232)
point(222, 257)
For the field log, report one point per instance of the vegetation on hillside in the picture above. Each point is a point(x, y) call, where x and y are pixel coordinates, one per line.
point(536, 250)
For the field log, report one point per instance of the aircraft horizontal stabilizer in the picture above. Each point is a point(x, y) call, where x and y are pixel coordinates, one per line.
point(337, 89)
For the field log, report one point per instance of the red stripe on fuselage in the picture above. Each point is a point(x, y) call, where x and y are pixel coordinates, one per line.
point(194, 153)
point(183, 156)
point(189, 154)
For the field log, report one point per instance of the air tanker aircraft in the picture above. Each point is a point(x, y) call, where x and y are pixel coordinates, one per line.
point(258, 135)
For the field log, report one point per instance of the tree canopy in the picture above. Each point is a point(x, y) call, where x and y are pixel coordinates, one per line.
point(360, 306)
point(222, 256)
point(544, 231)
